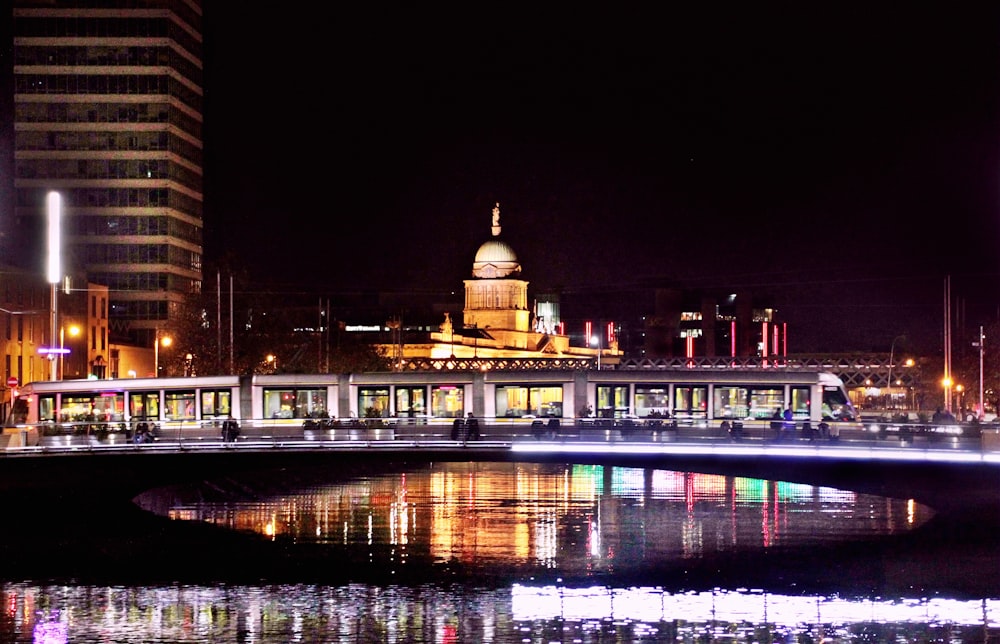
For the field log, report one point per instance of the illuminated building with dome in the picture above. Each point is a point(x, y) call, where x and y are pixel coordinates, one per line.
point(498, 320)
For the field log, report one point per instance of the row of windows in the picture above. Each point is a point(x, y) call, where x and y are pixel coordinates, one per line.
point(34, 199)
point(92, 113)
point(91, 141)
point(37, 367)
point(140, 254)
point(133, 225)
point(146, 281)
point(94, 169)
point(448, 401)
point(140, 281)
point(139, 310)
point(104, 56)
point(105, 408)
point(182, 9)
point(494, 297)
point(17, 292)
point(133, 84)
point(109, 169)
point(613, 401)
point(21, 323)
point(88, 27)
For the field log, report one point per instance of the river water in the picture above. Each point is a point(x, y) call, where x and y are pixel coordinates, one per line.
point(549, 553)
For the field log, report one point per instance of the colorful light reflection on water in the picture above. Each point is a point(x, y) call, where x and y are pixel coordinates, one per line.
point(567, 520)
point(359, 612)
point(576, 519)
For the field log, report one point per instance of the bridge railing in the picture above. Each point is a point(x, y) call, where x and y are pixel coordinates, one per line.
point(504, 430)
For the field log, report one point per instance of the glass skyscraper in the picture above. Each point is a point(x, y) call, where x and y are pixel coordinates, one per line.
point(108, 111)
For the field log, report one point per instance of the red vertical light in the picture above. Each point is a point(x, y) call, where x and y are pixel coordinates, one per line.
point(776, 352)
point(784, 338)
point(764, 338)
point(732, 338)
point(690, 346)
point(588, 331)
point(610, 333)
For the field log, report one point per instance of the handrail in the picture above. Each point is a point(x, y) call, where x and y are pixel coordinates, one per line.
point(501, 434)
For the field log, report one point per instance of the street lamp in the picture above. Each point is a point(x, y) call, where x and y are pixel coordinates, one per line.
point(947, 382)
point(166, 341)
point(74, 331)
point(272, 361)
point(596, 341)
point(53, 269)
point(892, 350)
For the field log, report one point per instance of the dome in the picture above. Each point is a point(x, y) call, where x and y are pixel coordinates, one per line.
point(495, 251)
point(495, 259)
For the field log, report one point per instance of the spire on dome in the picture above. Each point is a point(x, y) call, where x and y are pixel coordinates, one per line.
point(496, 220)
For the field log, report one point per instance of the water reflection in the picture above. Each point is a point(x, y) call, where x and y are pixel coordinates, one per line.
point(521, 613)
point(577, 520)
point(566, 532)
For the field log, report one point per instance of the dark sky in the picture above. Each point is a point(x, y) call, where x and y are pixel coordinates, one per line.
point(841, 156)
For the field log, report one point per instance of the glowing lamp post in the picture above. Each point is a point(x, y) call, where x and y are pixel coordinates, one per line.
point(53, 270)
point(166, 341)
point(892, 350)
point(596, 341)
point(74, 331)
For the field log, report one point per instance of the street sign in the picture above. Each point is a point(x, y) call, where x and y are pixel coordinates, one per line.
point(12, 381)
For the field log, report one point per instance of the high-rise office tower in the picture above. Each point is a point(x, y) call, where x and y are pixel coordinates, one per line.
point(108, 111)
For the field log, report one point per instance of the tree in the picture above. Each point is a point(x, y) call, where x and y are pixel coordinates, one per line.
point(263, 323)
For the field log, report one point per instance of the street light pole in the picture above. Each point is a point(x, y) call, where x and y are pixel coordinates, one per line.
point(53, 269)
point(892, 349)
point(165, 341)
point(982, 340)
point(596, 341)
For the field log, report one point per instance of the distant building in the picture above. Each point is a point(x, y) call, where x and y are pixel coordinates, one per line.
point(655, 320)
point(26, 336)
point(498, 320)
point(108, 112)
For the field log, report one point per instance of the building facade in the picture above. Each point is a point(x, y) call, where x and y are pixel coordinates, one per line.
point(80, 345)
point(108, 112)
point(498, 319)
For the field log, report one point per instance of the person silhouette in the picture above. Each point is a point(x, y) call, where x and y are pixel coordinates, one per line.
point(471, 428)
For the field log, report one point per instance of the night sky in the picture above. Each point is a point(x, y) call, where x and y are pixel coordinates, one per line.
point(842, 157)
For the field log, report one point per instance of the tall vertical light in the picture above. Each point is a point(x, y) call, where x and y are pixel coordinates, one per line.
point(53, 271)
point(982, 339)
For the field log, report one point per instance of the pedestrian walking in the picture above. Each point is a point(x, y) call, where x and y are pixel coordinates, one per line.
point(230, 429)
point(456, 429)
point(471, 428)
point(776, 421)
point(788, 426)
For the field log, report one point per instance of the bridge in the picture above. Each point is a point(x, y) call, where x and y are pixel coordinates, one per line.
point(952, 476)
point(68, 506)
